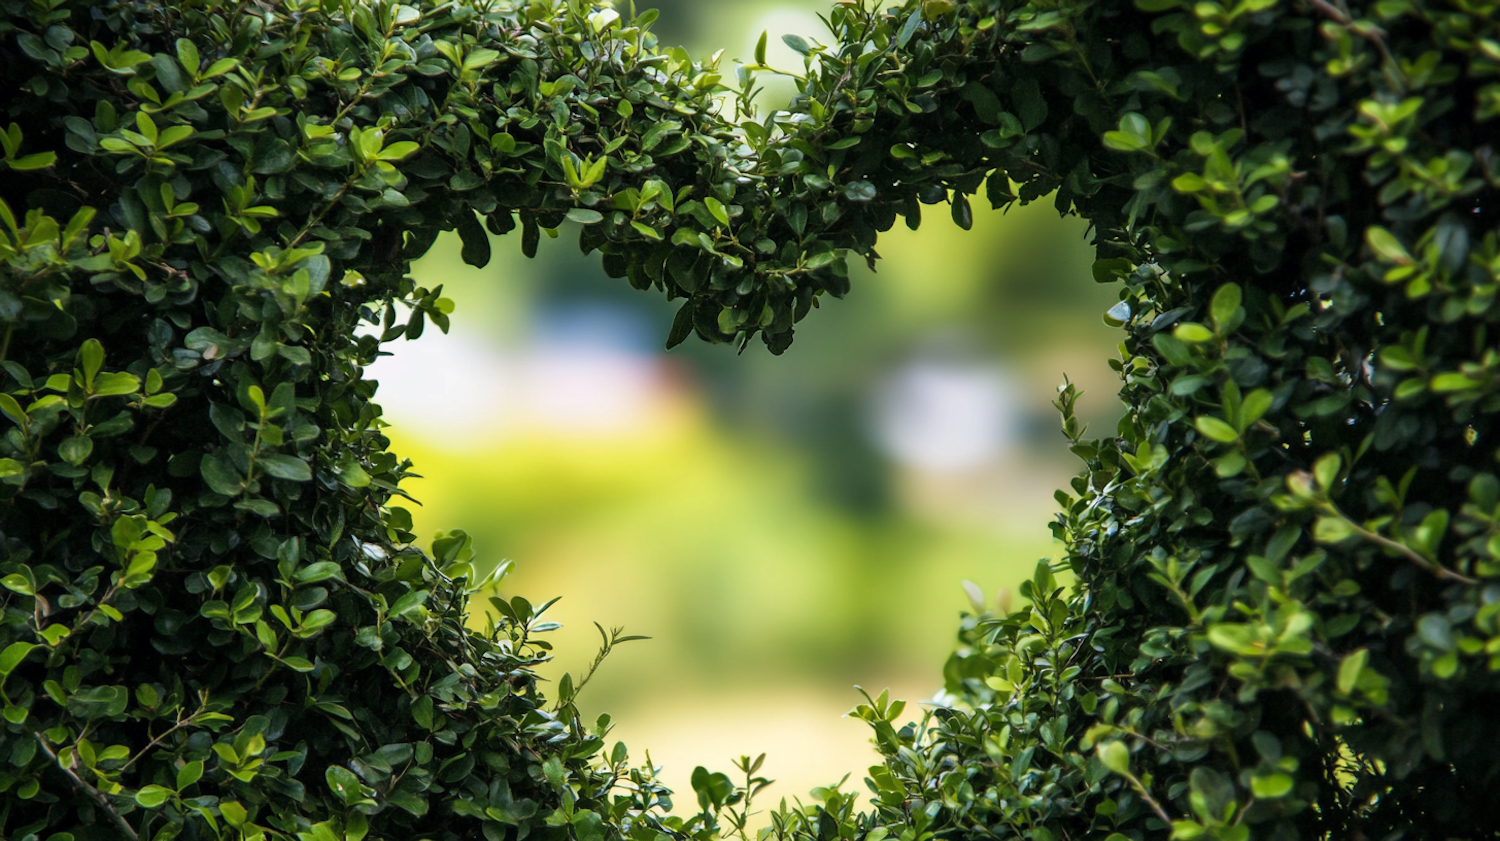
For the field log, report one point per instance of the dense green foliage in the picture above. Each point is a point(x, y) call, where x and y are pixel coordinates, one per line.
point(1283, 618)
point(215, 624)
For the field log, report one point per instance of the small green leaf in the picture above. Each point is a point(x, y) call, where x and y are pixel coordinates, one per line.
point(421, 712)
point(552, 768)
point(409, 603)
point(1271, 786)
point(963, 216)
point(1216, 429)
point(146, 126)
point(1189, 182)
point(90, 359)
point(480, 58)
point(584, 216)
point(320, 571)
point(12, 409)
point(682, 325)
point(1350, 668)
point(1193, 333)
point(12, 656)
point(40, 160)
point(1452, 381)
point(17, 583)
point(399, 151)
point(187, 55)
point(221, 477)
point(74, 450)
point(476, 241)
point(220, 67)
point(1332, 529)
point(1226, 304)
point(1326, 470)
point(716, 208)
point(113, 384)
point(352, 474)
point(1386, 246)
point(1115, 756)
point(286, 467)
point(188, 774)
point(153, 796)
point(234, 813)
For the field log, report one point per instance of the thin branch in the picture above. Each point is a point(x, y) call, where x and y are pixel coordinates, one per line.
point(181, 723)
point(1403, 550)
point(1374, 36)
point(318, 217)
point(89, 791)
point(1406, 551)
point(1150, 801)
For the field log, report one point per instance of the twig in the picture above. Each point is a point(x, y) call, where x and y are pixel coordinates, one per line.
point(181, 723)
point(1150, 801)
point(1374, 36)
point(1433, 567)
point(318, 217)
point(92, 793)
point(1399, 548)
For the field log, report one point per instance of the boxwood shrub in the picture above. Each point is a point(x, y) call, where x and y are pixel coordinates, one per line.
point(1278, 613)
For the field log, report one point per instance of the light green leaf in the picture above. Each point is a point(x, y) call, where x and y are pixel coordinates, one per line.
point(1271, 786)
point(1225, 304)
point(1349, 669)
point(188, 774)
point(187, 55)
point(234, 813)
point(1326, 470)
point(1193, 333)
point(12, 409)
point(1386, 246)
point(90, 359)
point(716, 208)
point(39, 160)
point(1451, 381)
point(480, 58)
point(402, 150)
point(18, 583)
point(153, 796)
point(12, 656)
point(585, 216)
point(1332, 529)
point(112, 384)
point(1216, 429)
point(1115, 756)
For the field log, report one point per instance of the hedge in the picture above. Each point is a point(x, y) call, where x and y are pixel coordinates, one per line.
point(1282, 616)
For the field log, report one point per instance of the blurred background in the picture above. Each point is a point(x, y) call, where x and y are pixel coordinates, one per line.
point(782, 527)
